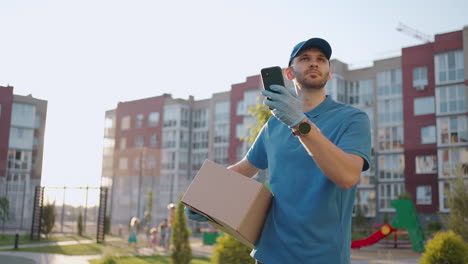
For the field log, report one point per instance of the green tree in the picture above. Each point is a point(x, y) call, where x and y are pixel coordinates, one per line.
point(457, 219)
point(79, 225)
point(181, 251)
point(231, 251)
point(4, 209)
point(48, 218)
point(149, 206)
point(261, 113)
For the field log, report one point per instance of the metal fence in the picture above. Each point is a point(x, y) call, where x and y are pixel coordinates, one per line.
point(69, 203)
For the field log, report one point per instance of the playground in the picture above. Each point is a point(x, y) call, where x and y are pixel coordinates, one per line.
point(406, 222)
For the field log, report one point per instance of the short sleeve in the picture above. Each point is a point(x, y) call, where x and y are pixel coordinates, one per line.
point(356, 138)
point(257, 154)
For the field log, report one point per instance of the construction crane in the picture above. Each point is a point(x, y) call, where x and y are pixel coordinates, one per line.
point(414, 33)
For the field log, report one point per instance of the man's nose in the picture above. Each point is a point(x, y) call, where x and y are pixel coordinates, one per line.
point(313, 63)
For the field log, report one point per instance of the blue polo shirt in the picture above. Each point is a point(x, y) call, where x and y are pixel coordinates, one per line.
point(310, 217)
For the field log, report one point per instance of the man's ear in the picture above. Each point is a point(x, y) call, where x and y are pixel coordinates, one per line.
point(329, 75)
point(289, 74)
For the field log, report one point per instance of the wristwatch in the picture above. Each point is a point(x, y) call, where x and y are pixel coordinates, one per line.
point(303, 128)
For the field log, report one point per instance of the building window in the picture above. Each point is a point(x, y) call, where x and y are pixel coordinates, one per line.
point(139, 121)
point(451, 99)
point(424, 106)
point(221, 133)
point(169, 139)
point(390, 138)
point(200, 118)
point(137, 164)
point(222, 111)
point(428, 135)
point(153, 119)
point(366, 201)
point(184, 117)
point(23, 115)
point(171, 115)
point(139, 141)
point(444, 189)
point(391, 167)
point(361, 92)
point(125, 123)
point(123, 143)
point(221, 155)
point(420, 78)
point(123, 163)
point(19, 160)
point(198, 159)
point(151, 162)
point(388, 192)
point(184, 139)
point(424, 195)
point(390, 111)
point(453, 161)
point(449, 67)
point(200, 140)
point(168, 160)
point(452, 130)
point(426, 164)
point(154, 140)
point(389, 83)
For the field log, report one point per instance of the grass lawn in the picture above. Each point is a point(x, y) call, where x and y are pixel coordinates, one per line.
point(151, 260)
point(9, 239)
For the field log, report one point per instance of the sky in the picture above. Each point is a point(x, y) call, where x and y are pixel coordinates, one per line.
point(85, 56)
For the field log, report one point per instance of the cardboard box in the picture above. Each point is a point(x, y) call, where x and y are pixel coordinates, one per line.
point(233, 203)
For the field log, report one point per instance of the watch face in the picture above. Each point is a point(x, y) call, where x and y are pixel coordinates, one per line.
point(304, 128)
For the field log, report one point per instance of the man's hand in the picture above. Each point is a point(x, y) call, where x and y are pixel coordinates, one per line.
point(194, 216)
point(285, 105)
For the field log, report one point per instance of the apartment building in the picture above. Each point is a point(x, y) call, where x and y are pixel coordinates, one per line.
point(416, 104)
point(22, 128)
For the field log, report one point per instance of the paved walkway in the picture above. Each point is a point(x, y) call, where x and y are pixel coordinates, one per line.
point(368, 255)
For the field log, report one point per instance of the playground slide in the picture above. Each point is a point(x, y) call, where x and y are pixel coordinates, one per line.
point(384, 231)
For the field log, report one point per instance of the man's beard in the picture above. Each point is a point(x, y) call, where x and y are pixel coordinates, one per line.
point(311, 84)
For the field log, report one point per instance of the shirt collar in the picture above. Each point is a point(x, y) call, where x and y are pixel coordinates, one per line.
point(322, 107)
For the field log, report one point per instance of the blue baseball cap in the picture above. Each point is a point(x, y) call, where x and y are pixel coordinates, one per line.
point(311, 43)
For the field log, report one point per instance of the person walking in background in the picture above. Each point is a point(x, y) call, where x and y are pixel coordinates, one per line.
point(132, 238)
point(162, 228)
point(154, 237)
point(315, 149)
point(146, 224)
point(172, 215)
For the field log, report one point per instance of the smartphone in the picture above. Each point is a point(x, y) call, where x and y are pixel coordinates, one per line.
point(272, 75)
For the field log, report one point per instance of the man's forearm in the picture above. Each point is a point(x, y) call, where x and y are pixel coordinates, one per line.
point(342, 168)
point(245, 168)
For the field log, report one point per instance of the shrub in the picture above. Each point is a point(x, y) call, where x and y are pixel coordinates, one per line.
point(446, 248)
point(79, 225)
point(48, 218)
point(4, 209)
point(434, 226)
point(107, 225)
point(231, 251)
point(181, 251)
